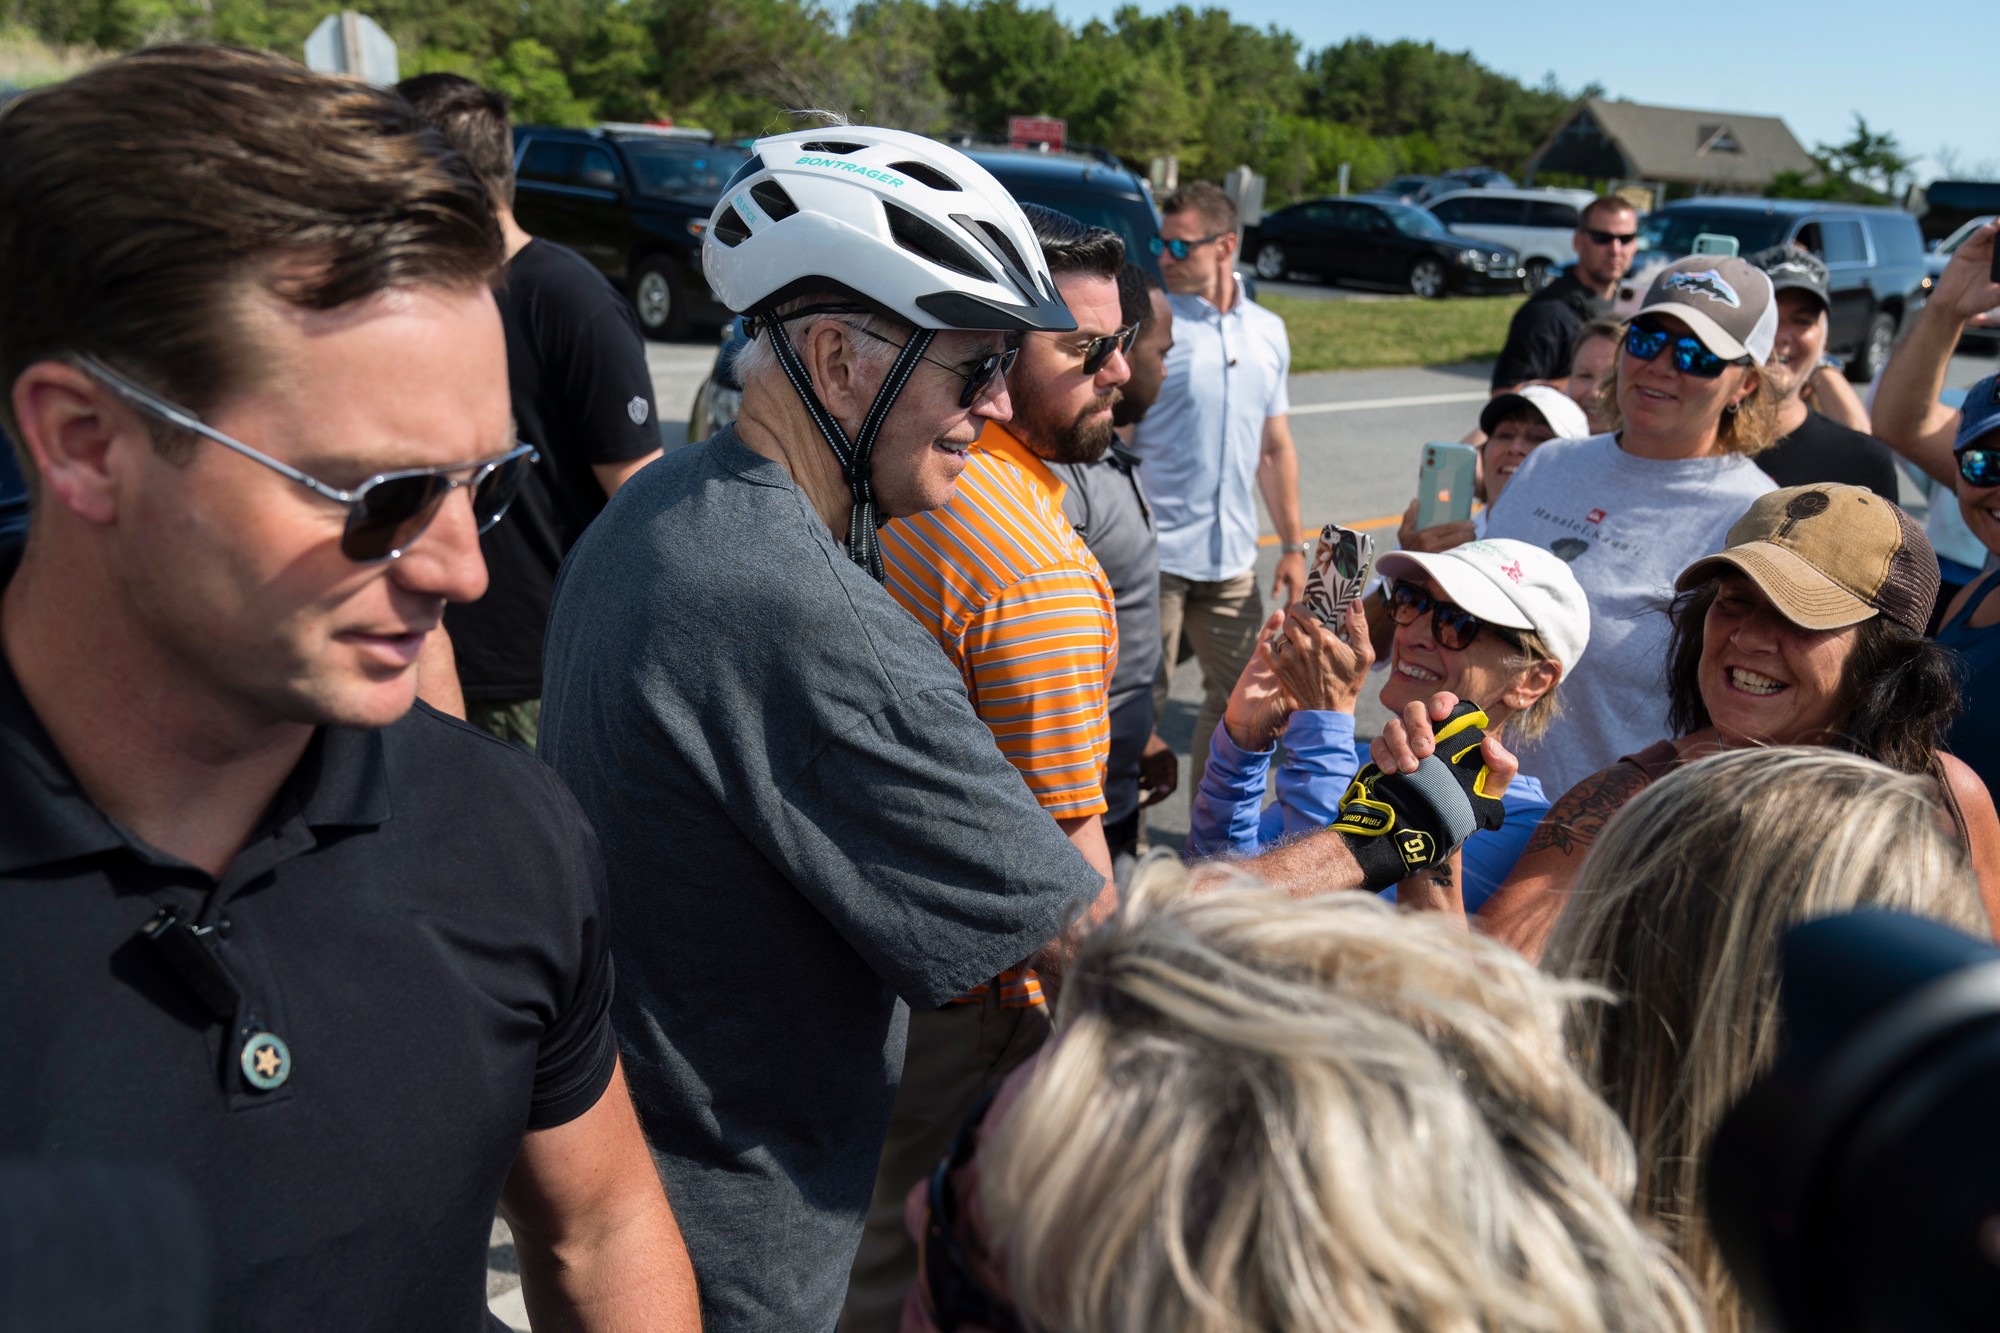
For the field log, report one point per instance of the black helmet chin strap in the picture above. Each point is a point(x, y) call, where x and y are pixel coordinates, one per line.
point(856, 456)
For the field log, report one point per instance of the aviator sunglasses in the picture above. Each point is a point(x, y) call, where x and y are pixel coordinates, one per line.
point(978, 375)
point(1646, 340)
point(1099, 349)
point(1182, 249)
point(385, 513)
point(1452, 625)
point(952, 1296)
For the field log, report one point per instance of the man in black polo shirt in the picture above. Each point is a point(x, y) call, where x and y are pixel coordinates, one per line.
point(1543, 332)
point(576, 367)
point(337, 967)
point(1812, 447)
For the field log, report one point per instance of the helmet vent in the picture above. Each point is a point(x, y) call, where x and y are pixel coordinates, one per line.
point(833, 146)
point(745, 172)
point(920, 237)
point(926, 175)
point(774, 199)
point(999, 238)
point(729, 228)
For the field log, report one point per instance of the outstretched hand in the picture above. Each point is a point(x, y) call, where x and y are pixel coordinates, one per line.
point(1321, 669)
point(1259, 703)
point(1966, 288)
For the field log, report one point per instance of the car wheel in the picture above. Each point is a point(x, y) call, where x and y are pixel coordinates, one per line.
point(1271, 262)
point(1427, 278)
point(656, 297)
point(1538, 274)
point(1873, 353)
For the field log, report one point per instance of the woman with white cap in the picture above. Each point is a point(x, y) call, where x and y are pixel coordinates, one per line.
point(1629, 509)
point(1806, 627)
point(1514, 423)
point(1498, 623)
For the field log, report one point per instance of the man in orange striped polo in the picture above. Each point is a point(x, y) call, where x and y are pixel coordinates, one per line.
point(1020, 604)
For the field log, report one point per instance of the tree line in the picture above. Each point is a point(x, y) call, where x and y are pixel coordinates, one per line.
point(1193, 84)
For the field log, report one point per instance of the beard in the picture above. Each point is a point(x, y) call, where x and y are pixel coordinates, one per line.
point(1083, 438)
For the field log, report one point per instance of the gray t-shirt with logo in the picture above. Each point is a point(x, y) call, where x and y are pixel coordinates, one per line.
point(1627, 526)
point(806, 827)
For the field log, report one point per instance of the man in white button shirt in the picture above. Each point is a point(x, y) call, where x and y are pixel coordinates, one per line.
point(1218, 434)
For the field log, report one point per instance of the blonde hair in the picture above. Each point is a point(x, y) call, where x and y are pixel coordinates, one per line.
point(1678, 910)
point(1532, 722)
point(1749, 430)
point(1263, 1114)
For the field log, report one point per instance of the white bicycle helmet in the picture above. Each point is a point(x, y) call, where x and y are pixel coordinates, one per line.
point(905, 224)
point(882, 221)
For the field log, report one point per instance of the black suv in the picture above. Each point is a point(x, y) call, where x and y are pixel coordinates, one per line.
point(635, 202)
point(1094, 188)
point(1874, 258)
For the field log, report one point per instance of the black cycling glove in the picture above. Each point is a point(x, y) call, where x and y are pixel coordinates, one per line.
point(1399, 823)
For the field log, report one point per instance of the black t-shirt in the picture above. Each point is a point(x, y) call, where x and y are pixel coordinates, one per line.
point(1543, 331)
point(1822, 449)
point(576, 369)
point(420, 917)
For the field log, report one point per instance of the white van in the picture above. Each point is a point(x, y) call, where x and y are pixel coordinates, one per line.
point(1539, 224)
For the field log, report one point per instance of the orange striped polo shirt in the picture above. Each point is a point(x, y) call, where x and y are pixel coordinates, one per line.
point(1017, 600)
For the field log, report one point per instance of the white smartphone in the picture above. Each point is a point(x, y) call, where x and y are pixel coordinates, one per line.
point(1445, 483)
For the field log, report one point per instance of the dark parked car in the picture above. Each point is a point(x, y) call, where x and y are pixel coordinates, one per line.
point(1089, 188)
point(1874, 257)
point(1382, 243)
point(633, 201)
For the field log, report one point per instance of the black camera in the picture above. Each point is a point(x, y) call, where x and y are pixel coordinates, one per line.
point(1857, 1185)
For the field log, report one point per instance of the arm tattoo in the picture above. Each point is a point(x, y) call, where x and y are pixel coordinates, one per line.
point(1576, 820)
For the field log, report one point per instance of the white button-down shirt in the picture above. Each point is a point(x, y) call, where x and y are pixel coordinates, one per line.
point(1201, 441)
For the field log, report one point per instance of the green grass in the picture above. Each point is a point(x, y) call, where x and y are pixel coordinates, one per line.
point(1368, 335)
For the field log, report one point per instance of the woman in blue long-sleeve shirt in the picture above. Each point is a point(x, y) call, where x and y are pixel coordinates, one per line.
point(1497, 622)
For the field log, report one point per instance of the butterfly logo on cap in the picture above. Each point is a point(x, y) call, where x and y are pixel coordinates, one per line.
point(1708, 284)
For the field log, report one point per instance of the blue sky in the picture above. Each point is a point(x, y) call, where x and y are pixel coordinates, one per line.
point(1919, 69)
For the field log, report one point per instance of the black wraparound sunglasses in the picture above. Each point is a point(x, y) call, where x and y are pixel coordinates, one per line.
point(1099, 349)
point(387, 512)
point(1603, 237)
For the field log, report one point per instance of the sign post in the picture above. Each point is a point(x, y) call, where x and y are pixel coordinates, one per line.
point(1046, 132)
point(355, 45)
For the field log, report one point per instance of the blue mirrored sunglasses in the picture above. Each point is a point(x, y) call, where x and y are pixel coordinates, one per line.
point(1181, 249)
point(1979, 467)
point(1646, 341)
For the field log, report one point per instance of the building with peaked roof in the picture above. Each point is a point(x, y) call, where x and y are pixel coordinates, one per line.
point(1711, 152)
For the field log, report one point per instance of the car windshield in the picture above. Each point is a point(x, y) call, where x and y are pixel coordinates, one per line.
point(1413, 221)
point(1131, 217)
point(666, 168)
point(1671, 231)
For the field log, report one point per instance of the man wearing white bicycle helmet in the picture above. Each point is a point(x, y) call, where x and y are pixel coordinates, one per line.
point(807, 826)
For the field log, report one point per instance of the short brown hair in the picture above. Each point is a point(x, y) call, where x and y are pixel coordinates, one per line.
point(140, 200)
point(1205, 198)
point(474, 121)
point(1605, 203)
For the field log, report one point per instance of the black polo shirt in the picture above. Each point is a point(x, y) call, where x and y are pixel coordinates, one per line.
point(420, 921)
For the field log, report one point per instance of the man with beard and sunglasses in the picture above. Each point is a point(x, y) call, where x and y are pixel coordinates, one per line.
point(337, 965)
point(1544, 330)
point(1024, 611)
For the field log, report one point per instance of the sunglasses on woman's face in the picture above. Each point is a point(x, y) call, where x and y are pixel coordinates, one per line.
point(1452, 625)
point(952, 1295)
point(1182, 249)
point(1979, 467)
point(387, 512)
point(1646, 340)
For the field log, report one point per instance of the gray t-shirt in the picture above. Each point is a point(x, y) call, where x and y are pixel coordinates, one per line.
point(803, 820)
point(1102, 501)
point(1627, 526)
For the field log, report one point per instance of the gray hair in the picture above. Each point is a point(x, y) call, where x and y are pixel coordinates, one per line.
point(1264, 1113)
point(1678, 910)
point(758, 359)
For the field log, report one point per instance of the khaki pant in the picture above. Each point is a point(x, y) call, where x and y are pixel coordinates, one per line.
point(956, 1055)
point(514, 720)
point(1221, 620)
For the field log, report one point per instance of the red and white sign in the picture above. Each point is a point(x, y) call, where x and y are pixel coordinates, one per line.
point(1027, 131)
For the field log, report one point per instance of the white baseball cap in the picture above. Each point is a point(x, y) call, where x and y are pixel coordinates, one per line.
point(1514, 584)
point(1557, 408)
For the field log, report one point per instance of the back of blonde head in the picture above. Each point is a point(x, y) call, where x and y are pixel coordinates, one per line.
point(1678, 911)
point(1272, 1115)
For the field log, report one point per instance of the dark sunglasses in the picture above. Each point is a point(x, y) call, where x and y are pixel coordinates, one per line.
point(1607, 237)
point(1099, 349)
point(1452, 625)
point(387, 512)
point(1979, 467)
point(1646, 341)
point(951, 1295)
point(977, 376)
point(1182, 249)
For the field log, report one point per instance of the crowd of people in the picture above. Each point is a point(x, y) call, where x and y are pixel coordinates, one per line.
point(728, 866)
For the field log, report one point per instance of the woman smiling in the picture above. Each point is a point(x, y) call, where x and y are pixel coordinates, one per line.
point(1808, 629)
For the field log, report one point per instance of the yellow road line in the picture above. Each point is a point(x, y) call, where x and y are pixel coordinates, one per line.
point(1362, 525)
